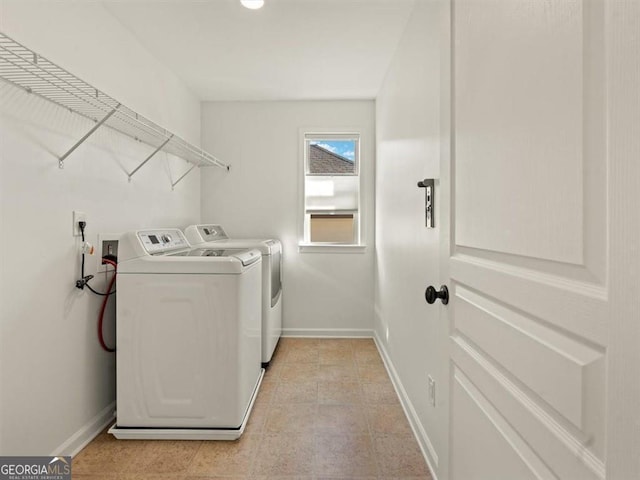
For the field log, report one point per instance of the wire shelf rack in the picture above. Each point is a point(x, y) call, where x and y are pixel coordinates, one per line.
point(35, 74)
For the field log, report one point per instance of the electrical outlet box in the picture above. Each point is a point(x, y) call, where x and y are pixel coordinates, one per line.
point(77, 218)
point(432, 390)
point(107, 245)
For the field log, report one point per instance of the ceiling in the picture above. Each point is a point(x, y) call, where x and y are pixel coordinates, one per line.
point(288, 50)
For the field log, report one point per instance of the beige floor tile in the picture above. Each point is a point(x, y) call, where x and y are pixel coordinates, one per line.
point(367, 357)
point(209, 477)
point(284, 344)
point(100, 476)
point(399, 456)
point(373, 374)
point(272, 372)
point(335, 344)
point(267, 389)
point(306, 354)
point(379, 393)
point(337, 373)
point(257, 418)
point(387, 419)
point(226, 458)
point(288, 343)
point(107, 455)
point(91, 460)
point(285, 454)
point(280, 477)
point(344, 456)
point(291, 418)
point(419, 477)
point(363, 344)
point(296, 393)
point(336, 357)
point(298, 372)
point(350, 477)
point(164, 457)
point(278, 353)
point(149, 476)
point(339, 393)
point(341, 419)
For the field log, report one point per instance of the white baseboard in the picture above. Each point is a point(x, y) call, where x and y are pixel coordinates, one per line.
point(328, 332)
point(428, 451)
point(87, 432)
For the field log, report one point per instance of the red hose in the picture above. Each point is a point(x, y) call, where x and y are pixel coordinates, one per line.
point(104, 306)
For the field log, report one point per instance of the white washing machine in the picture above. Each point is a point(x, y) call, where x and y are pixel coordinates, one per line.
point(271, 249)
point(188, 333)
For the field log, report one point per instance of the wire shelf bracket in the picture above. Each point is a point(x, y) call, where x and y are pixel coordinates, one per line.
point(150, 156)
point(173, 185)
point(33, 73)
point(87, 135)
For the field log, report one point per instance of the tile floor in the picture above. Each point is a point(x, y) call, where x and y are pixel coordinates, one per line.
point(326, 410)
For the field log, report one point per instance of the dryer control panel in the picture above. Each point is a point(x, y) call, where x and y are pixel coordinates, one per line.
point(210, 233)
point(205, 233)
point(162, 241)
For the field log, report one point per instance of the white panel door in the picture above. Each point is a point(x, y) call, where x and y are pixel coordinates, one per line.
point(527, 249)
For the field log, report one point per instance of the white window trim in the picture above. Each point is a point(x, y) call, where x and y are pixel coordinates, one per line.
point(330, 248)
point(303, 245)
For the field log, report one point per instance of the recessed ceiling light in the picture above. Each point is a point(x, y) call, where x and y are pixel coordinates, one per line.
point(252, 4)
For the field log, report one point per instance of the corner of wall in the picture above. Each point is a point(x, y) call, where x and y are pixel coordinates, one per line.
point(426, 446)
point(83, 436)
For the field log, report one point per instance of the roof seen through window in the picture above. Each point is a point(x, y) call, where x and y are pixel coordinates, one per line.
point(332, 157)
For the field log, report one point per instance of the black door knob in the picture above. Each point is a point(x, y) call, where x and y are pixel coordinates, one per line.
point(431, 295)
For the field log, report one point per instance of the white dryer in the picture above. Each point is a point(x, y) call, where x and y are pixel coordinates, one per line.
point(271, 249)
point(188, 333)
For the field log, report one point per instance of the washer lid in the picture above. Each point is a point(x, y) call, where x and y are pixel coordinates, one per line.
point(247, 257)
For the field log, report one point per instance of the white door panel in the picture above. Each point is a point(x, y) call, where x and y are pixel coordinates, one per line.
point(519, 81)
point(528, 253)
point(517, 344)
point(485, 446)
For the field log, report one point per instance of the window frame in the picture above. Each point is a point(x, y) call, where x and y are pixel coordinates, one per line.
point(304, 240)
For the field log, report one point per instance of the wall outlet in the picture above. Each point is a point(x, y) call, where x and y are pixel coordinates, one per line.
point(78, 217)
point(107, 245)
point(432, 390)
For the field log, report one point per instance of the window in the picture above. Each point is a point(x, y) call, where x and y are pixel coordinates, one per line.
point(331, 189)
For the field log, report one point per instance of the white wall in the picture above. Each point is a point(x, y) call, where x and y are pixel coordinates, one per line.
point(54, 377)
point(407, 254)
point(323, 292)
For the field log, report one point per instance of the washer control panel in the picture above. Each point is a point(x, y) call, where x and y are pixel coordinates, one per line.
point(161, 241)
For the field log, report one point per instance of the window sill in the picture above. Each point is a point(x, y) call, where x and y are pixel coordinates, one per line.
point(330, 248)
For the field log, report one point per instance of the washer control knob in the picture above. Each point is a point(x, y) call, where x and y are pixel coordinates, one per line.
point(166, 238)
